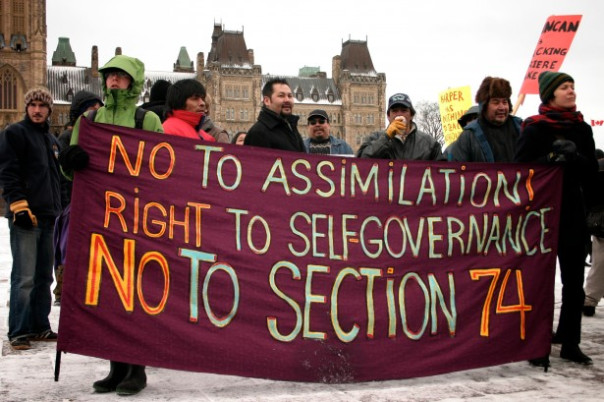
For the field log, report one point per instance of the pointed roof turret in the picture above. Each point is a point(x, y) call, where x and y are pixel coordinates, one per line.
point(63, 56)
point(356, 58)
point(183, 63)
point(229, 48)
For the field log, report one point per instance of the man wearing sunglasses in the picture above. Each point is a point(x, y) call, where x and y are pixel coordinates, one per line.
point(319, 140)
point(401, 139)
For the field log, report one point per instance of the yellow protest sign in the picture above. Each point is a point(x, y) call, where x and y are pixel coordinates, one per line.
point(453, 103)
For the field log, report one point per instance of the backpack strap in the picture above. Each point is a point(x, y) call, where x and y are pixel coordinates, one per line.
point(139, 117)
point(91, 115)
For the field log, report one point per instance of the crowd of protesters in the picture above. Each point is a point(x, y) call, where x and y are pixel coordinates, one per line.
point(36, 169)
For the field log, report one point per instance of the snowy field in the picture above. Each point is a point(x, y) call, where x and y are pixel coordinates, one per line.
point(29, 375)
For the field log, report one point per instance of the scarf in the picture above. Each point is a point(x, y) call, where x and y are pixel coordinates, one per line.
point(189, 117)
point(193, 119)
point(556, 117)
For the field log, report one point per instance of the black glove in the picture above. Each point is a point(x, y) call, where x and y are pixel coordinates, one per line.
point(22, 215)
point(73, 158)
point(563, 151)
point(22, 219)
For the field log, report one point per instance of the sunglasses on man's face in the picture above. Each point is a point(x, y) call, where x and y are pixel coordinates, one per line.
point(312, 122)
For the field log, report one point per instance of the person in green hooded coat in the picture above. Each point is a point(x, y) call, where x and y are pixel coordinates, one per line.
point(122, 82)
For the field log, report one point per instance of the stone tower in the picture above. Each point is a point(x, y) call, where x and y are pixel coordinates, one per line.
point(22, 54)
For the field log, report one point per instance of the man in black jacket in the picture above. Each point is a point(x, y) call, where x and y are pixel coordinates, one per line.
point(276, 127)
point(29, 176)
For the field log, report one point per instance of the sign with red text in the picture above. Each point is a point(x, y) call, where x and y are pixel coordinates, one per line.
point(553, 45)
point(453, 103)
point(254, 262)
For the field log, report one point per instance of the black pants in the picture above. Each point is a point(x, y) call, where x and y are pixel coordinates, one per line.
point(571, 255)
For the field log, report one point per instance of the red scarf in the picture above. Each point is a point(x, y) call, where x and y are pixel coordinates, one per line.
point(555, 117)
point(193, 119)
point(190, 117)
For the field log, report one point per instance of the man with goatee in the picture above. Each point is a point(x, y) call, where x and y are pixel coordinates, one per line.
point(276, 127)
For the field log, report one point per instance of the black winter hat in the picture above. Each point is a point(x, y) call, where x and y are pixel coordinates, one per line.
point(82, 101)
point(159, 91)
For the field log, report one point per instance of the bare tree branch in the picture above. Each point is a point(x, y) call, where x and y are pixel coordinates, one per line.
point(427, 118)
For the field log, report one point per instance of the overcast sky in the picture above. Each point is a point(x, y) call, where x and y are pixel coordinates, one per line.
point(423, 47)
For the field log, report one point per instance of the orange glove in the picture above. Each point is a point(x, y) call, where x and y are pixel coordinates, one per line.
point(22, 215)
point(397, 127)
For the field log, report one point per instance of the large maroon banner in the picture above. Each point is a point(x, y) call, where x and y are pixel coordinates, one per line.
point(245, 261)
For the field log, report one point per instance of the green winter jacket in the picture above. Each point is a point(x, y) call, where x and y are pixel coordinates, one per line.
point(120, 104)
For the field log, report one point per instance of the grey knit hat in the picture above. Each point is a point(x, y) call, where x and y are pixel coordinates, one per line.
point(41, 94)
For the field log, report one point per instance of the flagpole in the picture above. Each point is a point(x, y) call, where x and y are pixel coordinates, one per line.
point(519, 102)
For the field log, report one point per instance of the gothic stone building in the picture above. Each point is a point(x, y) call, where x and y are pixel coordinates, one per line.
point(354, 97)
point(22, 54)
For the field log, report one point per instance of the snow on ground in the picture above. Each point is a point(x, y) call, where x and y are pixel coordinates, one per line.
point(29, 375)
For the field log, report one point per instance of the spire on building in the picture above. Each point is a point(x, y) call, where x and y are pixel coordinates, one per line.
point(183, 63)
point(63, 56)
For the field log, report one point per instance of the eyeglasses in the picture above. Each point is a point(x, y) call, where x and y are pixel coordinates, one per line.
point(117, 74)
point(312, 122)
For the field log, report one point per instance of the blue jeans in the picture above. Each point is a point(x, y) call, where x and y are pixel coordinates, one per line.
point(30, 279)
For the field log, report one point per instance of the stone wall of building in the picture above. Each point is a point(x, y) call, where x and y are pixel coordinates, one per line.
point(23, 55)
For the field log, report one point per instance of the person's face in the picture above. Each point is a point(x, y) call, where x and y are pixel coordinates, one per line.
point(195, 104)
point(281, 101)
point(565, 96)
point(400, 110)
point(318, 128)
point(38, 111)
point(240, 139)
point(117, 80)
point(498, 110)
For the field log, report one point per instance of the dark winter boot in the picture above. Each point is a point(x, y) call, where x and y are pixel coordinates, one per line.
point(117, 373)
point(135, 381)
point(540, 362)
point(573, 353)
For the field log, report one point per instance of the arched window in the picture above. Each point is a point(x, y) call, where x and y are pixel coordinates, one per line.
point(8, 89)
point(330, 95)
